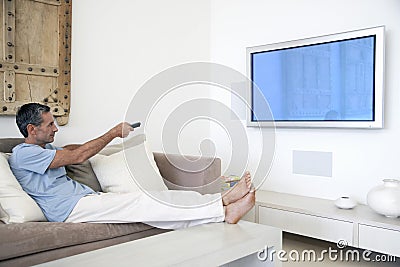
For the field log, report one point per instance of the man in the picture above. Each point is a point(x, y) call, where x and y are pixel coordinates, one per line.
point(39, 168)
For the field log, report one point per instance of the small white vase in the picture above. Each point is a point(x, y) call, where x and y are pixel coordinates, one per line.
point(385, 199)
point(345, 203)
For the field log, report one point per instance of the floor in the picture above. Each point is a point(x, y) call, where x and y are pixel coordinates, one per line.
point(300, 253)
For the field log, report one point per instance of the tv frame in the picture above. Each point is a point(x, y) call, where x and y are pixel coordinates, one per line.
point(377, 123)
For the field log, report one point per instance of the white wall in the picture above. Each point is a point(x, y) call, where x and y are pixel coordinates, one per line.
point(361, 158)
point(116, 47)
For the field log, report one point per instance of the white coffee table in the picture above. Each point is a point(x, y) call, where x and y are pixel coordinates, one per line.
point(205, 245)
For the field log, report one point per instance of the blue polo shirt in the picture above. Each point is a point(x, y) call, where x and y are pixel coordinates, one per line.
point(54, 192)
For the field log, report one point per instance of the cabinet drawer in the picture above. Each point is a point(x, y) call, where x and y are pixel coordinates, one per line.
point(379, 239)
point(309, 225)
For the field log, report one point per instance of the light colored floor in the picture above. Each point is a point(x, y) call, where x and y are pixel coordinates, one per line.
point(293, 244)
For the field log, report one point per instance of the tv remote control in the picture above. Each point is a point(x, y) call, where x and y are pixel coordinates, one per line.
point(135, 125)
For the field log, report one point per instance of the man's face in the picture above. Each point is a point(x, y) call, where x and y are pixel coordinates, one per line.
point(44, 133)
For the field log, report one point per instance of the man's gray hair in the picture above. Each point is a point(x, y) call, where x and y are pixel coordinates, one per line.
point(30, 113)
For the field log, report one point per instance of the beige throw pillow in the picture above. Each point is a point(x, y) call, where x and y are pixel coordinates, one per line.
point(128, 170)
point(83, 173)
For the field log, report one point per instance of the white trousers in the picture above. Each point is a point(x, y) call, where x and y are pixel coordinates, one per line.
point(170, 209)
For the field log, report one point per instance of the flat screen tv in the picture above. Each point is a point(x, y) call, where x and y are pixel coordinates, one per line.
point(333, 81)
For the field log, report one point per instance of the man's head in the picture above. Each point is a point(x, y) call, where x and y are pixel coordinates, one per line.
point(35, 121)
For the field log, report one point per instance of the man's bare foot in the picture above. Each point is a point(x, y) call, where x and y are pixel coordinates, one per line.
point(236, 210)
point(238, 191)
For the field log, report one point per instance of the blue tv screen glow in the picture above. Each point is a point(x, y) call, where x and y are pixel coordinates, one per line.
point(329, 81)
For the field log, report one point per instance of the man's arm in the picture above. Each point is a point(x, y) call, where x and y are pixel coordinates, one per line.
point(78, 153)
point(71, 147)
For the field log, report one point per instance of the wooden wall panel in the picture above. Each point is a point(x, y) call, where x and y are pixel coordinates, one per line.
point(33, 44)
point(35, 47)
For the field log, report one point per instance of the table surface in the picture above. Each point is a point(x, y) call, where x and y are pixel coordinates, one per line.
point(324, 208)
point(204, 245)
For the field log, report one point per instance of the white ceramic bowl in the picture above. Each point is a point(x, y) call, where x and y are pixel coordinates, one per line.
point(345, 203)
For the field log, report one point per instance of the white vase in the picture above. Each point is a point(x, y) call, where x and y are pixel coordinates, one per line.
point(345, 203)
point(385, 199)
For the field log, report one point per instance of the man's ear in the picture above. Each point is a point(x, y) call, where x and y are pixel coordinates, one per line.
point(31, 129)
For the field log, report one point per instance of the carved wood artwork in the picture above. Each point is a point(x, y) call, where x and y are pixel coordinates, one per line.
point(35, 48)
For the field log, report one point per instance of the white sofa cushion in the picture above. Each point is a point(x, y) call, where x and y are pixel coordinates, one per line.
point(128, 170)
point(16, 205)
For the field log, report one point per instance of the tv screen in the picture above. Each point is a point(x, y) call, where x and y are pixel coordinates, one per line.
point(327, 81)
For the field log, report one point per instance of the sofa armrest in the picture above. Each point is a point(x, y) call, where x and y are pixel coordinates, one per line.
point(201, 174)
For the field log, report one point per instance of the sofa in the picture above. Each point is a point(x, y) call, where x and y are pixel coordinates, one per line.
point(32, 242)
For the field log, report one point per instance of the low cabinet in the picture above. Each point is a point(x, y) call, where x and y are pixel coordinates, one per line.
point(359, 227)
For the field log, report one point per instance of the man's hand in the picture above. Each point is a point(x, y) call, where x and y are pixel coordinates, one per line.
point(122, 130)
